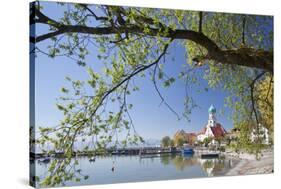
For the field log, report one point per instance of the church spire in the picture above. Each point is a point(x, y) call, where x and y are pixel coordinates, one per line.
point(212, 109)
point(212, 118)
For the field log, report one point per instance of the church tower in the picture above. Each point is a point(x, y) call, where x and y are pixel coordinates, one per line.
point(213, 128)
point(212, 118)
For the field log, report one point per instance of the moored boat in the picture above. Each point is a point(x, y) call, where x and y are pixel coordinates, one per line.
point(188, 151)
point(209, 155)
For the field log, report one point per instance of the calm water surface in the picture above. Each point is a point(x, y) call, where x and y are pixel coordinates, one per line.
point(134, 168)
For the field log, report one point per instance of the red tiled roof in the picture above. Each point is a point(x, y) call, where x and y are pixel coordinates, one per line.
point(218, 130)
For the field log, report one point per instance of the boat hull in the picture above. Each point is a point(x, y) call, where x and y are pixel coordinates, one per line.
point(209, 156)
point(188, 151)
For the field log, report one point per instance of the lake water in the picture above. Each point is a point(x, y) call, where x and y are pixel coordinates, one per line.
point(135, 169)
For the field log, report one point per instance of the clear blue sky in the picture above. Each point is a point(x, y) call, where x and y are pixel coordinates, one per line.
point(151, 120)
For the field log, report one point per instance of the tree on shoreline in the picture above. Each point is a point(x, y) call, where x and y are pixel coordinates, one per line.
point(179, 140)
point(233, 51)
point(172, 143)
point(166, 141)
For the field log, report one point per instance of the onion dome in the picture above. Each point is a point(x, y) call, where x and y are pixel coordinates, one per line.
point(212, 109)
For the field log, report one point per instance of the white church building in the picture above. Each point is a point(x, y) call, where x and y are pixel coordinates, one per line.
point(213, 129)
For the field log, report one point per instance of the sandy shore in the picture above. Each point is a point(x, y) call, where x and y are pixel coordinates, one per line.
point(248, 164)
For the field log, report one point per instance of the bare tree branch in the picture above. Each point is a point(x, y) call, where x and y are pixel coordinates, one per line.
point(159, 93)
point(93, 14)
point(200, 22)
point(252, 86)
point(243, 30)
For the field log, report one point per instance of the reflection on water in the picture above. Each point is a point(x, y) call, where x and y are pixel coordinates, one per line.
point(214, 167)
point(136, 168)
point(183, 162)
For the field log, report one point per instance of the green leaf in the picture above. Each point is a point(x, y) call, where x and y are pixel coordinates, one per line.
point(64, 90)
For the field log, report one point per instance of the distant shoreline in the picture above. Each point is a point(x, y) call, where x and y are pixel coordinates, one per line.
point(122, 151)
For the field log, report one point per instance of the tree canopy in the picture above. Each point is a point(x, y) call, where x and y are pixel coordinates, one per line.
point(166, 141)
point(233, 52)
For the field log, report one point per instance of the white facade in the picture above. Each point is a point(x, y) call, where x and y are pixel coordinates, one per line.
point(212, 119)
point(207, 134)
point(213, 129)
point(263, 134)
point(211, 123)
